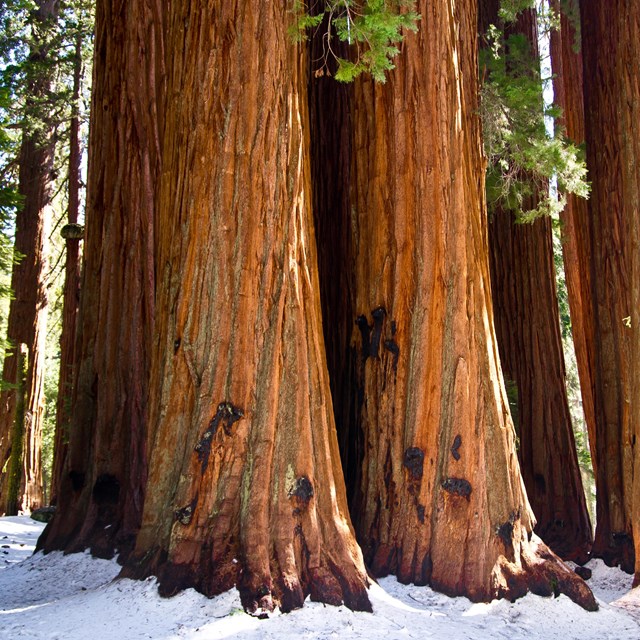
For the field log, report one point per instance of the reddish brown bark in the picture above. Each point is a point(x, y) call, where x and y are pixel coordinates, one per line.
point(102, 488)
point(28, 308)
point(441, 497)
point(630, 115)
point(71, 291)
point(245, 486)
point(528, 332)
point(607, 72)
point(576, 241)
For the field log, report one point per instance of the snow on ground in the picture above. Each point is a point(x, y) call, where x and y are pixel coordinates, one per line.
point(75, 597)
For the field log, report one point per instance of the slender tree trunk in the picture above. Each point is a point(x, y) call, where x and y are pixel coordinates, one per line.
point(528, 330)
point(102, 488)
point(245, 486)
point(576, 241)
point(608, 68)
point(441, 500)
point(72, 233)
point(28, 308)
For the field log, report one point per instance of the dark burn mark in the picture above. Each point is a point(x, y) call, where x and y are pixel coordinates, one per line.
point(378, 318)
point(413, 460)
point(620, 538)
point(226, 415)
point(420, 509)
point(392, 346)
point(457, 442)
point(302, 492)
point(394, 327)
point(184, 515)
point(457, 486)
point(365, 332)
point(505, 530)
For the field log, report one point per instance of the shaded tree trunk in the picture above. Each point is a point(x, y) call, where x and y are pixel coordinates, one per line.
point(28, 308)
point(630, 115)
point(576, 241)
point(245, 486)
point(102, 487)
point(441, 498)
point(72, 234)
point(608, 68)
point(528, 331)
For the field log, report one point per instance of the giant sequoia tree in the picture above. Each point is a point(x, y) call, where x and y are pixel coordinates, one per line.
point(102, 483)
point(245, 486)
point(21, 482)
point(611, 61)
point(528, 330)
point(438, 498)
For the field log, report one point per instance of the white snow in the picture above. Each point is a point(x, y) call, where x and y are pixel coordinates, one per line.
point(75, 597)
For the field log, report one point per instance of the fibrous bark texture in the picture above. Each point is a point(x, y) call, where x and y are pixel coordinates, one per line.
point(441, 498)
point(630, 116)
point(245, 486)
point(28, 309)
point(102, 488)
point(72, 236)
point(528, 331)
point(576, 241)
point(609, 67)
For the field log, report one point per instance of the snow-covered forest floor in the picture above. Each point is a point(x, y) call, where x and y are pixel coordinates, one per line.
point(75, 597)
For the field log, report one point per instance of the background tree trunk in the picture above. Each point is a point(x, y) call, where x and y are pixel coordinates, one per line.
point(442, 500)
point(102, 489)
point(528, 331)
point(576, 241)
point(245, 486)
point(28, 309)
point(607, 66)
point(71, 292)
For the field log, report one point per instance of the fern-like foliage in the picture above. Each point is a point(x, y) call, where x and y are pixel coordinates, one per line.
point(523, 156)
point(373, 30)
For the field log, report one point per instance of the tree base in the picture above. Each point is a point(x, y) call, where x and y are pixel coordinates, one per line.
point(542, 573)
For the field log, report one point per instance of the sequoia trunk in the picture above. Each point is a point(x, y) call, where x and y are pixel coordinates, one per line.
point(609, 68)
point(28, 308)
point(245, 486)
point(441, 498)
point(528, 330)
point(102, 488)
point(576, 241)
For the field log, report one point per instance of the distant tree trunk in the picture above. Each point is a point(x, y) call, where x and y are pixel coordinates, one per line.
point(28, 308)
point(72, 234)
point(576, 241)
point(609, 67)
point(101, 492)
point(441, 498)
point(528, 329)
point(245, 486)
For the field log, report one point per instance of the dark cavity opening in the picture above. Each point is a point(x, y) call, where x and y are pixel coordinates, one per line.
point(106, 490)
